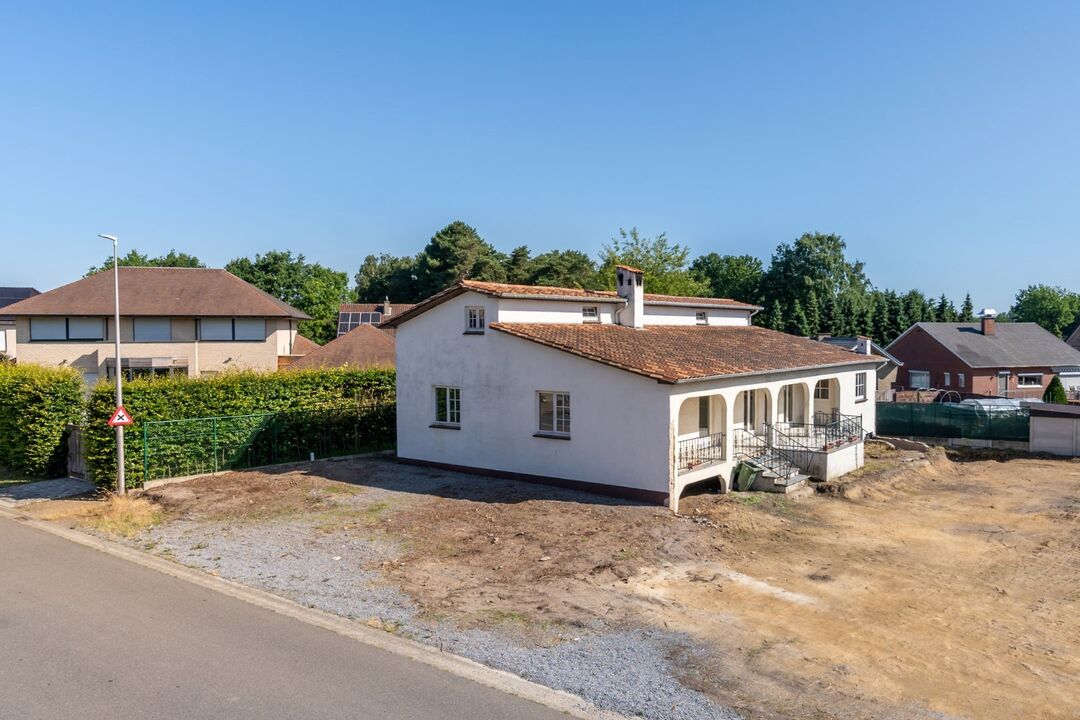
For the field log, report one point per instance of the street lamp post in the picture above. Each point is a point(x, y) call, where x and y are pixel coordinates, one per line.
point(121, 483)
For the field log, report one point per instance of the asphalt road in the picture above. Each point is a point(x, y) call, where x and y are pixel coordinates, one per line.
point(87, 635)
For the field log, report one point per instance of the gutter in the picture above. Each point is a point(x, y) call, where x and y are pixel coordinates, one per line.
point(715, 306)
point(706, 378)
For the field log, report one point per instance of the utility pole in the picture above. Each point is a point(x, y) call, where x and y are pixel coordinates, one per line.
point(121, 482)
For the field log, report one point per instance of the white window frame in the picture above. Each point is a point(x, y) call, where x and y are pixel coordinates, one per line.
point(701, 317)
point(560, 413)
point(947, 380)
point(916, 386)
point(1020, 377)
point(151, 329)
point(787, 402)
point(590, 314)
point(860, 386)
point(821, 390)
point(961, 380)
point(451, 406)
point(475, 323)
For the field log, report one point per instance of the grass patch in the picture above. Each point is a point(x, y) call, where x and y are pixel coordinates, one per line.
point(120, 516)
point(748, 499)
point(342, 489)
point(373, 511)
point(872, 467)
point(505, 617)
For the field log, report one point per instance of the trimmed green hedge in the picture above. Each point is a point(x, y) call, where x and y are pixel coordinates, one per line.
point(36, 406)
point(241, 393)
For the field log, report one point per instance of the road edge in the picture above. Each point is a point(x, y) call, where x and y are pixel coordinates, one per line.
point(457, 665)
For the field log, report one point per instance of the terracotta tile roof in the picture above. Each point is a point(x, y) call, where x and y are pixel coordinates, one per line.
point(680, 353)
point(159, 292)
point(543, 291)
point(365, 346)
point(303, 346)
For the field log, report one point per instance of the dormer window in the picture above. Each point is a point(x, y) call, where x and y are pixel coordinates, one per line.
point(590, 314)
point(702, 318)
point(474, 320)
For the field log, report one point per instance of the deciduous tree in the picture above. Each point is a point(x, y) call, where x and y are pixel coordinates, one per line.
point(1054, 308)
point(134, 258)
point(663, 262)
point(737, 277)
point(310, 287)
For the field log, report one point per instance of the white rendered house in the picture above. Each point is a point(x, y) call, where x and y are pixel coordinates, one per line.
point(622, 392)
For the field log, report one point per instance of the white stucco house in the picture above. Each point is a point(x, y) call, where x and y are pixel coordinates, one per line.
point(624, 392)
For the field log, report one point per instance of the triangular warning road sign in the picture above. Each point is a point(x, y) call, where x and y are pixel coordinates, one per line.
point(120, 417)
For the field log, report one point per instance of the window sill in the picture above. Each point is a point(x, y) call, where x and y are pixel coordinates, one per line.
point(551, 436)
point(444, 426)
point(860, 400)
point(473, 332)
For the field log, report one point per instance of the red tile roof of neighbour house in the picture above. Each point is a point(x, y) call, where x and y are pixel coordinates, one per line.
point(544, 292)
point(303, 346)
point(159, 292)
point(363, 347)
point(681, 353)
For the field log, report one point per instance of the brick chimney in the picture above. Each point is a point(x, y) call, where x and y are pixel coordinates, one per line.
point(989, 321)
point(630, 284)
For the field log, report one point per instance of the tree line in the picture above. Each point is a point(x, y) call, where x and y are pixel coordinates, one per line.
point(810, 286)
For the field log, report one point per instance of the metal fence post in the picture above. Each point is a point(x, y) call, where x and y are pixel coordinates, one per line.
point(145, 453)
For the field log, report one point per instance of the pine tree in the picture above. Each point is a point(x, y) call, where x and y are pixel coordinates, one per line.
point(798, 324)
point(1055, 392)
point(945, 310)
point(775, 320)
point(519, 265)
point(828, 322)
point(967, 310)
point(813, 314)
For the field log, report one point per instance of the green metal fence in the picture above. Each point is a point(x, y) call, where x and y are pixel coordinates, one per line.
point(952, 420)
point(175, 448)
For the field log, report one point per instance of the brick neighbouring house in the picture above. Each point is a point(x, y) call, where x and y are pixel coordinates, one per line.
point(1015, 360)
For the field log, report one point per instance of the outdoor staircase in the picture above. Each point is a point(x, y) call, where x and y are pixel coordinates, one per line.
point(779, 473)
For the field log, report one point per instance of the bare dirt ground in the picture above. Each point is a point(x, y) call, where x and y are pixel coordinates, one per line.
point(930, 587)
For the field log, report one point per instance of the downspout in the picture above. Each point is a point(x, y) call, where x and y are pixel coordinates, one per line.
point(625, 303)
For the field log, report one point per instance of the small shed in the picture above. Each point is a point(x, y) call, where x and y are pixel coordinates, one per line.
point(1055, 429)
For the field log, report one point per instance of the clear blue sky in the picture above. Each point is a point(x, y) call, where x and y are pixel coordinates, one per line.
point(942, 140)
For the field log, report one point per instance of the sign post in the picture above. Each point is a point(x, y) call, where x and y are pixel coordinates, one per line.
point(121, 482)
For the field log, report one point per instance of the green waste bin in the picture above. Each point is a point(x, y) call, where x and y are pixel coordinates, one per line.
point(747, 475)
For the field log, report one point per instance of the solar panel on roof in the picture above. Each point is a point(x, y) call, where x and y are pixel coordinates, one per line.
point(9, 295)
point(351, 320)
